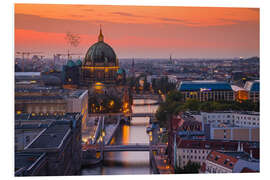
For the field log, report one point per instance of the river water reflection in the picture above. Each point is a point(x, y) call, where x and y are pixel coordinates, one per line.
point(117, 163)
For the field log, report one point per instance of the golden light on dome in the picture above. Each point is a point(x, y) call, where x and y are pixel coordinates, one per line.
point(99, 86)
point(100, 67)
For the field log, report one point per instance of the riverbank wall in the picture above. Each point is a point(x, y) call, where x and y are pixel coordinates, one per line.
point(113, 131)
point(96, 135)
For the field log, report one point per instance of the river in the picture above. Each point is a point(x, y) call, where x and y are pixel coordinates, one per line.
point(120, 163)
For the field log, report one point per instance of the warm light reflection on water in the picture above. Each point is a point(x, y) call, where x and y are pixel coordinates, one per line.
point(128, 162)
point(125, 134)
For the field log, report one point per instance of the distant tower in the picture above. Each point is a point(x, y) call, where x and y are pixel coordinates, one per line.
point(171, 61)
point(133, 70)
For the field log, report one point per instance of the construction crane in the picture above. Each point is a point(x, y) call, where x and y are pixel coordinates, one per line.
point(27, 54)
point(68, 55)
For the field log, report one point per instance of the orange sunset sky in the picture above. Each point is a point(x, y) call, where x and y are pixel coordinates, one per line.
point(139, 31)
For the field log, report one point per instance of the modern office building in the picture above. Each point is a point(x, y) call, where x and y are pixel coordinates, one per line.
point(206, 90)
point(240, 94)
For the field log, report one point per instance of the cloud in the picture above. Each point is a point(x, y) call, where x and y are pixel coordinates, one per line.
point(231, 21)
point(254, 9)
point(125, 14)
point(171, 20)
point(75, 15)
point(88, 10)
point(43, 24)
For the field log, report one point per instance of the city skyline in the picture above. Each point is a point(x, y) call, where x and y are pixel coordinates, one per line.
point(140, 31)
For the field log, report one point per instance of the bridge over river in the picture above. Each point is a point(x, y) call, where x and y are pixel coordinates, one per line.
point(124, 147)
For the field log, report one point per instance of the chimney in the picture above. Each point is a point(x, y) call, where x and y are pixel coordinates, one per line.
point(250, 154)
point(238, 147)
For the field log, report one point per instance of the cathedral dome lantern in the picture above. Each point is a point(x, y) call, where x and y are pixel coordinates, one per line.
point(100, 54)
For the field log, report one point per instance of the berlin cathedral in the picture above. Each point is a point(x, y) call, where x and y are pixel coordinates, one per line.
point(101, 75)
point(99, 65)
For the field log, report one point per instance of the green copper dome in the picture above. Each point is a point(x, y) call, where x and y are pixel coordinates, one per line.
point(70, 63)
point(100, 52)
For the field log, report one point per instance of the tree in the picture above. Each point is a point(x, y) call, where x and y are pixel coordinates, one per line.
point(172, 105)
point(190, 168)
point(192, 105)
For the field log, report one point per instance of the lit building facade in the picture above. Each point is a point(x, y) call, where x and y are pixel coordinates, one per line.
point(253, 88)
point(235, 133)
point(239, 119)
point(100, 64)
point(197, 151)
point(240, 94)
point(51, 101)
point(206, 90)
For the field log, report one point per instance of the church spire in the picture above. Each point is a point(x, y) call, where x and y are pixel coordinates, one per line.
point(100, 36)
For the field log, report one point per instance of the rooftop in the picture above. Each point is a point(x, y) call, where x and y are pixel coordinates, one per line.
point(51, 138)
point(236, 161)
point(47, 93)
point(31, 126)
point(222, 159)
point(38, 97)
point(31, 117)
point(27, 73)
point(252, 85)
point(25, 160)
point(203, 86)
point(240, 155)
point(237, 88)
point(219, 145)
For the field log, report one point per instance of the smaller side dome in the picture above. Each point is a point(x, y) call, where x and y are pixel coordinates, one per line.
point(120, 71)
point(78, 62)
point(70, 63)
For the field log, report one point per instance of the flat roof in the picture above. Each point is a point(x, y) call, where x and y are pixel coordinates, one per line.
point(31, 117)
point(31, 126)
point(27, 73)
point(237, 88)
point(51, 138)
point(215, 144)
point(26, 160)
point(203, 85)
point(38, 97)
point(252, 85)
point(237, 155)
point(59, 92)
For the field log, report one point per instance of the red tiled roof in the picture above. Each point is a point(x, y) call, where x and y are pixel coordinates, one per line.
point(216, 145)
point(222, 159)
point(247, 170)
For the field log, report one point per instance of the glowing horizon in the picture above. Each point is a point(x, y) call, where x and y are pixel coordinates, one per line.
point(139, 31)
